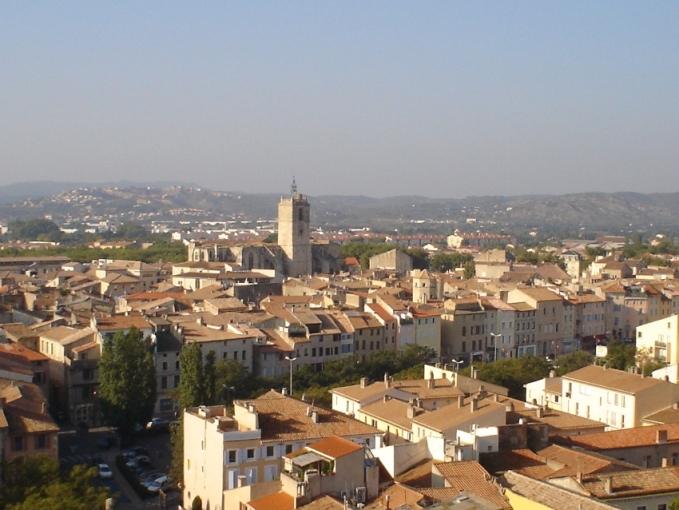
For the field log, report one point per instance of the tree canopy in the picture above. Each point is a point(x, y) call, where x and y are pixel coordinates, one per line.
point(127, 377)
point(34, 482)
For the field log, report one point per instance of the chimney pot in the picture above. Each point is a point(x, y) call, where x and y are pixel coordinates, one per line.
point(608, 485)
point(661, 436)
point(474, 405)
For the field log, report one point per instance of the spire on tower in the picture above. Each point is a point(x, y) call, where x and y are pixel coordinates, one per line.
point(293, 188)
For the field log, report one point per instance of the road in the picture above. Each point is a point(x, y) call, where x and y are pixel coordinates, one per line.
point(77, 447)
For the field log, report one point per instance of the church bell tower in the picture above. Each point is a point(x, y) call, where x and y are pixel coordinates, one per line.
point(294, 233)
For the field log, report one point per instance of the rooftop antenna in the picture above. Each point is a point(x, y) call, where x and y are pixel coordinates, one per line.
point(293, 188)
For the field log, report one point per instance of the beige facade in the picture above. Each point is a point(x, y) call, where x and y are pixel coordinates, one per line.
point(222, 453)
point(659, 340)
point(294, 234)
point(619, 399)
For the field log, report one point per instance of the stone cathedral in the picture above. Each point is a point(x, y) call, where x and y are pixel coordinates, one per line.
point(296, 254)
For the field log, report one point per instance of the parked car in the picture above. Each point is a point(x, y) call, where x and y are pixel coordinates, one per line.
point(162, 483)
point(105, 472)
point(131, 453)
point(158, 425)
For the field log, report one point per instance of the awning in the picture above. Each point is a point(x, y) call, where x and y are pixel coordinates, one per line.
point(306, 458)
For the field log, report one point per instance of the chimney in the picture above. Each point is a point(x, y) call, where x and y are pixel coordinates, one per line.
point(314, 416)
point(675, 406)
point(661, 436)
point(308, 411)
point(578, 477)
point(605, 366)
point(303, 397)
point(496, 397)
point(364, 382)
point(608, 485)
point(284, 390)
point(474, 405)
point(482, 391)
point(663, 462)
point(552, 374)
point(44, 407)
point(386, 398)
point(387, 381)
point(539, 412)
point(460, 401)
point(386, 502)
point(241, 480)
point(509, 406)
point(431, 383)
point(410, 412)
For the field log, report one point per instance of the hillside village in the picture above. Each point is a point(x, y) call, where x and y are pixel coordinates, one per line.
point(595, 438)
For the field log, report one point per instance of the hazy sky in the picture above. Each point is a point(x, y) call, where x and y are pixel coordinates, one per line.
point(443, 99)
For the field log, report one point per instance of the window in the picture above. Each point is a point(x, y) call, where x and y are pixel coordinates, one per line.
point(231, 456)
point(18, 444)
point(269, 451)
point(163, 383)
point(88, 374)
point(250, 453)
point(41, 442)
point(164, 365)
point(243, 358)
point(176, 381)
point(288, 448)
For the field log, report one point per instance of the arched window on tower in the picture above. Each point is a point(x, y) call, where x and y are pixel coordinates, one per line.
point(300, 214)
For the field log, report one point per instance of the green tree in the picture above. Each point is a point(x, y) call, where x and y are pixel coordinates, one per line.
point(34, 482)
point(674, 504)
point(197, 503)
point(469, 269)
point(573, 361)
point(444, 262)
point(210, 376)
point(192, 381)
point(513, 373)
point(127, 376)
point(620, 356)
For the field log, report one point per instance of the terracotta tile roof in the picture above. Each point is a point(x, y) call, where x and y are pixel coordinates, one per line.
point(666, 416)
point(335, 447)
point(555, 420)
point(624, 438)
point(614, 379)
point(417, 476)
point(277, 501)
point(381, 312)
point(358, 394)
point(400, 496)
point(469, 475)
point(522, 461)
point(16, 349)
point(25, 408)
point(392, 411)
point(282, 418)
point(66, 335)
point(323, 503)
point(573, 461)
point(633, 483)
point(122, 322)
point(549, 495)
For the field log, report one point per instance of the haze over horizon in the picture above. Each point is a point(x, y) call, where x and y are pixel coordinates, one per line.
point(440, 99)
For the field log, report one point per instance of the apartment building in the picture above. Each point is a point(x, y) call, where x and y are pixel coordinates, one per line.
point(546, 331)
point(659, 340)
point(223, 452)
point(615, 397)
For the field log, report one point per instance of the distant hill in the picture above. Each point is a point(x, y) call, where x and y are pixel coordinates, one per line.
point(565, 215)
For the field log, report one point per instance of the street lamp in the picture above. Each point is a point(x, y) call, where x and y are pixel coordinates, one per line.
point(290, 360)
point(457, 364)
point(495, 337)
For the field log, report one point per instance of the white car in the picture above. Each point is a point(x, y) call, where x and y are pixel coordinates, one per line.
point(161, 483)
point(105, 472)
